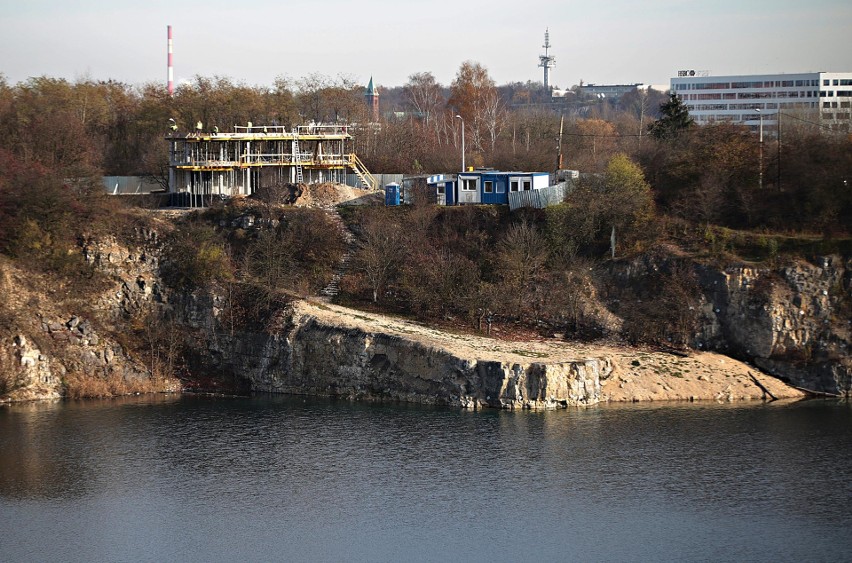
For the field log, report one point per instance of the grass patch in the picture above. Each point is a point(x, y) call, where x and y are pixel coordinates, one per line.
point(530, 353)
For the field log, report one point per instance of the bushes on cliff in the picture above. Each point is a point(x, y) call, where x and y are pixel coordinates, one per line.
point(195, 256)
point(658, 300)
point(43, 218)
point(299, 254)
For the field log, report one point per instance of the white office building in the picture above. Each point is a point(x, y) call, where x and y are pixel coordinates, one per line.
point(821, 98)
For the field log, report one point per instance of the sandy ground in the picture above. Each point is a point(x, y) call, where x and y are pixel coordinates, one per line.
point(329, 194)
point(638, 375)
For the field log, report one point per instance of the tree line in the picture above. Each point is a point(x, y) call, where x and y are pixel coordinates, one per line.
point(88, 128)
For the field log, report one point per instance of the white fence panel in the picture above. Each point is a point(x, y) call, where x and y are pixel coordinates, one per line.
point(538, 199)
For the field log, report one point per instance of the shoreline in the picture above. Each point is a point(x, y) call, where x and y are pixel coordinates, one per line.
point(631, 374)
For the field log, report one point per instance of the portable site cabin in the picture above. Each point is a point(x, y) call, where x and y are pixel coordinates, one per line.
point(487, 186)
point(440, 184)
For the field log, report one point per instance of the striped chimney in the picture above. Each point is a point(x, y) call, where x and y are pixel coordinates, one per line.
point(171, 65)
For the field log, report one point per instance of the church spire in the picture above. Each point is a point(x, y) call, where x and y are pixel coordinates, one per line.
point(371, 97)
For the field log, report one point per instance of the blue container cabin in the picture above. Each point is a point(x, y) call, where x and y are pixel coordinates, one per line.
point(444, 189)
point(488, 187)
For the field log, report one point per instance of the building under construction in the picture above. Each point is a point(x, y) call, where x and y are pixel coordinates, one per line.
point(204, 164)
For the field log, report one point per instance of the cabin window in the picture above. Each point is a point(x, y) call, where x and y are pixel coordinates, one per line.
point(527, 185)
point(489, 187)
point(513, 186)
point(441, 189)
point(468, 184)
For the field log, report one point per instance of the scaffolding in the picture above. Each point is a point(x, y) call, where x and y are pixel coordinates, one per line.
point(203, 165)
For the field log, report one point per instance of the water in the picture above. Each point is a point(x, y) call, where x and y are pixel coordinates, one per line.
point(200, 479)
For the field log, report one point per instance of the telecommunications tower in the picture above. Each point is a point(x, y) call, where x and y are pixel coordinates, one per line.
point(546, 61)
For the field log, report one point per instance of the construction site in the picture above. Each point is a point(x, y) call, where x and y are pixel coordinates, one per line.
point(208, 164)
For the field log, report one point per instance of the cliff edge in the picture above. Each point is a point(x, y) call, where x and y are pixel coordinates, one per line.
point(329, 350)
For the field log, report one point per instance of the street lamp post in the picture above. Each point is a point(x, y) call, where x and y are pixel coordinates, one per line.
point(462, 122)
point(760, 157)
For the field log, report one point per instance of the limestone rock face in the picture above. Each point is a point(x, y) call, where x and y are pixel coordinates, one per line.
point(75, 349)
point(52, 345)
point(316, 357)
point(793, 322)
point(36, 378)
point(135, 272)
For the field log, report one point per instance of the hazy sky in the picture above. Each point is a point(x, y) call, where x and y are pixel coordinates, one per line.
point(611, 41)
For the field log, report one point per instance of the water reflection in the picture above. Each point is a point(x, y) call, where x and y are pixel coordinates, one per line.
point(311, 479)
point(60, 449)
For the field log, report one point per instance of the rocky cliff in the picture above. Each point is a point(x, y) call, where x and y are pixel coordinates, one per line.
point(57, 344)
point(789, 321)
point(326, 350)
point(794, 321)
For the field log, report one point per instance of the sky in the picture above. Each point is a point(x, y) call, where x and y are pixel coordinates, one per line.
point(600, 42)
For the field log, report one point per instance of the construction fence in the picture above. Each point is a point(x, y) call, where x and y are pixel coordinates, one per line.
point(538, 199)
point(131, 185)
point(382, 180)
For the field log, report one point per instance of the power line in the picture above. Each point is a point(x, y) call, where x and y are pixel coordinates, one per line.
point(820, 125)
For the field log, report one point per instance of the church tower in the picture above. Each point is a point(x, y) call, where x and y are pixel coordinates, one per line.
point(371, 97)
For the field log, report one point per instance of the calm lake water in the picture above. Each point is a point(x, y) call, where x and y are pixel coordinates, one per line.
point(275, 479)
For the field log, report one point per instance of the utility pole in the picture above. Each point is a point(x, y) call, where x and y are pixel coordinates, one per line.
point(779, 150)
point(462, 131)
point(760, 157)
point(559, 144)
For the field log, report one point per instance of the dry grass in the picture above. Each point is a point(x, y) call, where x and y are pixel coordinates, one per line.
point(85, 386)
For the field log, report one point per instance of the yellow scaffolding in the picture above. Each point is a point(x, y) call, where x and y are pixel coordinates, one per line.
point(237, 163)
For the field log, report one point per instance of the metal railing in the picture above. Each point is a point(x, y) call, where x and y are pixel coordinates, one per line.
point(362, 172)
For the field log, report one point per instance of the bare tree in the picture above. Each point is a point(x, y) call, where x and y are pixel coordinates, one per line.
point(378, 254)
point(424, 95)
point(492, 116)
point(522, 254)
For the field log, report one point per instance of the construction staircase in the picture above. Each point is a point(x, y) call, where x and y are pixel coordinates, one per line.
point(368, 181)
point(333, 288)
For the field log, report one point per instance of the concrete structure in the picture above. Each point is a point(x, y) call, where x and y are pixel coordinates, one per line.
point(205, 164)
point(821, 97)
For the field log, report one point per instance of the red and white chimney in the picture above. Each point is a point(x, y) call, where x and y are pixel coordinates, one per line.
point(171, 66)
